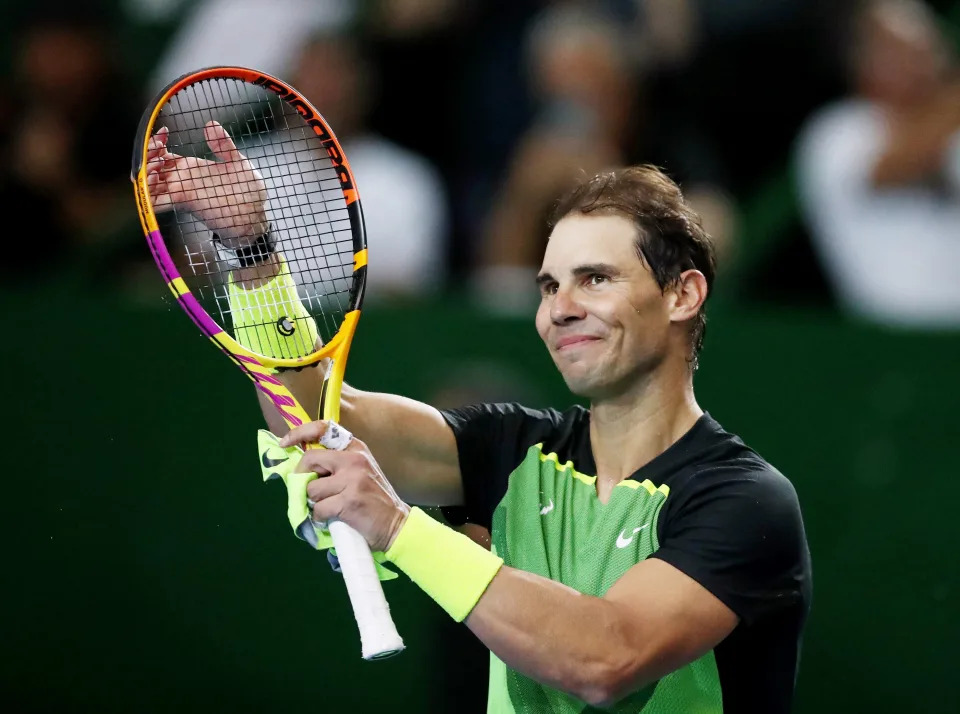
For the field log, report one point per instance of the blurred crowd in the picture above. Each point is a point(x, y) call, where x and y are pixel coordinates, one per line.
point(879, 171)
point(464, 119)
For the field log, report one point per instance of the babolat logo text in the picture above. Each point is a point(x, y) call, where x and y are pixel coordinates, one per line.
point(333, 151)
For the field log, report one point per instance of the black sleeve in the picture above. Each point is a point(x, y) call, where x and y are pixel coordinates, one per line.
point(740, 534)
point(492, 440)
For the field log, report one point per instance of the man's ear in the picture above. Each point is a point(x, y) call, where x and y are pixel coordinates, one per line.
point(690, 292)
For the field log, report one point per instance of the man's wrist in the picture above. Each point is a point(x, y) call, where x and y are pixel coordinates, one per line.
point(447, 565)
point(258, 275)
point(247, 252)
point(403, 511)
point(258, 251)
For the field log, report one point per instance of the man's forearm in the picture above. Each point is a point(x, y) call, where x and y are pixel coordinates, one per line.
point(562, 638)
point(306, 385)
point(652, 621)
point(411, 440)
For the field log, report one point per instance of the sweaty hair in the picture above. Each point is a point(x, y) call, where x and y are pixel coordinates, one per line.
point(670, 237)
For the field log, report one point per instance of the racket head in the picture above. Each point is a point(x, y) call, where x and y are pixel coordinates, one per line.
point(311, 205)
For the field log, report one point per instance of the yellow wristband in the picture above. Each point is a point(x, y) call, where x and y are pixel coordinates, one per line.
point(270, 320)
point(447, 565)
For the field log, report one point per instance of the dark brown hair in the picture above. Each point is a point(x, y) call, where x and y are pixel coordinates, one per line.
point(670, 237)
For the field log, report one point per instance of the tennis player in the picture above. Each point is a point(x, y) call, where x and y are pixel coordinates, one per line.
point(642, 557)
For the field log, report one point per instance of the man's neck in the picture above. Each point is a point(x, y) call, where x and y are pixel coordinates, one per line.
point(632, 430)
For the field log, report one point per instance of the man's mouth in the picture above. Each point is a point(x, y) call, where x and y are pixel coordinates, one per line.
point(571, 340)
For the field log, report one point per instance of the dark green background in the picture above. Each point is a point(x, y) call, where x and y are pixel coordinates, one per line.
point(147, 567)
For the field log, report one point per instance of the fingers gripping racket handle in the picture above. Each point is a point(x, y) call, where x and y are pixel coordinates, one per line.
point(378, 634)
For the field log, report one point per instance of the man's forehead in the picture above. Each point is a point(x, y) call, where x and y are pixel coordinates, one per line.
point(578, 240)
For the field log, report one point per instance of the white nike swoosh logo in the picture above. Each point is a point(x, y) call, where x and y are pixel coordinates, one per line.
point(623, 541)
point(546, 509)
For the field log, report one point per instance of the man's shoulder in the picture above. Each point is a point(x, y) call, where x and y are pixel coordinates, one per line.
point(727, 462)
point(749, 474)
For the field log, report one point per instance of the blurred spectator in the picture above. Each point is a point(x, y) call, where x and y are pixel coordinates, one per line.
point(415, 19)
point(879, 172)
point(404, 198)
point(592, 114)
point(19, 195)
point(758, 69)
point(67, 137)
point(262, 34)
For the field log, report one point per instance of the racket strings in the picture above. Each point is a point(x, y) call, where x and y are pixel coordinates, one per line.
point(305, 207)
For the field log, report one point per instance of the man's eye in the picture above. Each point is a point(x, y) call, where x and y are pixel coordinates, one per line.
point(597, 279)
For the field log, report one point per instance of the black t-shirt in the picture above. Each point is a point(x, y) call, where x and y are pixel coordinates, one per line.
point(731, 521)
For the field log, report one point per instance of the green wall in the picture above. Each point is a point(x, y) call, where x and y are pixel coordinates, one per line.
point(148, 568)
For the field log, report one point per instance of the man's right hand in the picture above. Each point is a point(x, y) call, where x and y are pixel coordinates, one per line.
point(228, 195)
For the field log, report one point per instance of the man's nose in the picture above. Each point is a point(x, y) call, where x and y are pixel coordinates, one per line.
point(565, 307)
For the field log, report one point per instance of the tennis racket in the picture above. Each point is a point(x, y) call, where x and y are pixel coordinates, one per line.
point(240, 184)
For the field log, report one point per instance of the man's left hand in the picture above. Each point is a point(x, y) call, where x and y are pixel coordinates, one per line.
point(351, 488)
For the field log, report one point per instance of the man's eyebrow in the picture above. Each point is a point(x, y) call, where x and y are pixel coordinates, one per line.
point(604, 268)
point(544, 278)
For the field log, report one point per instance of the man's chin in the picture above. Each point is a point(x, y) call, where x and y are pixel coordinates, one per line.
point(595, 384)
point(582, 378)
point(582, 385)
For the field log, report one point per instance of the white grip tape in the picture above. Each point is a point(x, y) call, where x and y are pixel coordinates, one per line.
point(335, 437)
point(378, 635)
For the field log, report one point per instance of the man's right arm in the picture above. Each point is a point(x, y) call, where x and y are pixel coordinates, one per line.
point(411, 440)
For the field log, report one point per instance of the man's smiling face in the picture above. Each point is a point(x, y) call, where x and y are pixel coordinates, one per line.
point(602, 315)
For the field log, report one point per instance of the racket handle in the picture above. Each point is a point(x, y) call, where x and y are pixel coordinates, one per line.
point(378, 634)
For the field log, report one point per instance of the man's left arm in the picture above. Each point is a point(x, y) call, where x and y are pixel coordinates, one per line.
point(652, 621)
